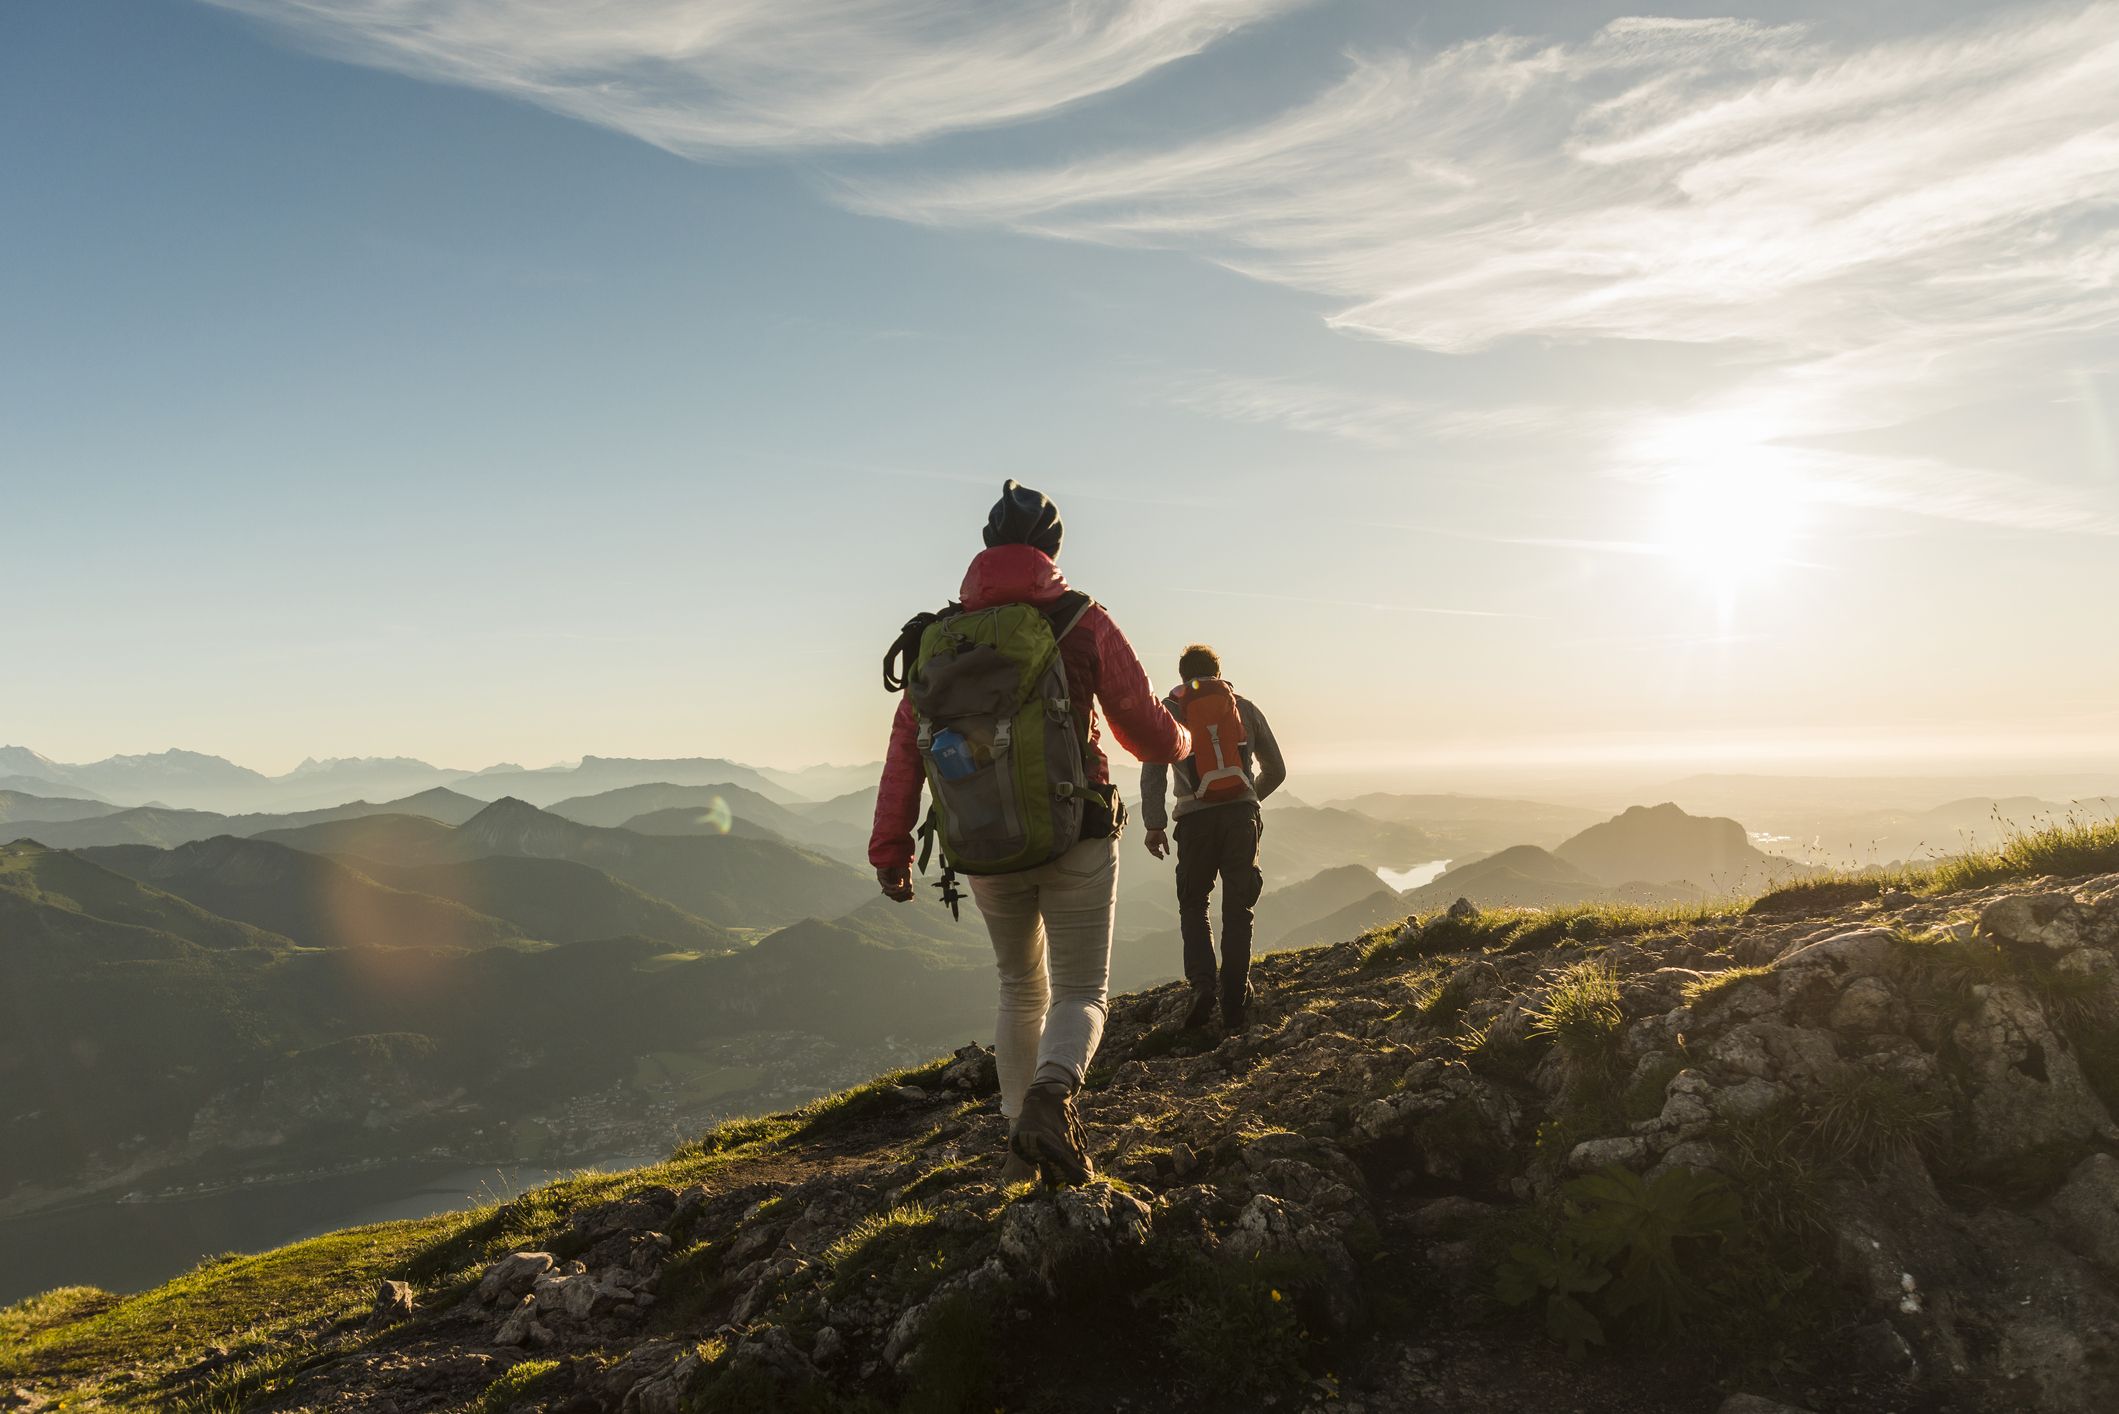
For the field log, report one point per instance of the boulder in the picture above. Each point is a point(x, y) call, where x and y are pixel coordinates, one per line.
point(510, 1278)
point(1047, 1236)
point(393, 1301)
point(2086, 1210)
point(2026, 1091)
point(1628, 1150)
point(2052, 922)
point(971, 1071)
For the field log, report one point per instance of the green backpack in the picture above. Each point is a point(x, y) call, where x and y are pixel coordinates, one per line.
point(999, 736)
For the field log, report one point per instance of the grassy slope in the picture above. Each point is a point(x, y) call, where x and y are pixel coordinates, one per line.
point(121, 1348)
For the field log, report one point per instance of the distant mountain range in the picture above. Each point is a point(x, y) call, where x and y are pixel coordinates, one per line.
point(432, 964)
point(192, 780)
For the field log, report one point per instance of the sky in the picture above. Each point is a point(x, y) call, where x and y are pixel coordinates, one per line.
point(1496, 386)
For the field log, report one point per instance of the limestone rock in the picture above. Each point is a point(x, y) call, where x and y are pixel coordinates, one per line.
point(2053, 922)
point(2027, 1092)
point(2086, 1210)
point(513, 1275)
point(393, 1301)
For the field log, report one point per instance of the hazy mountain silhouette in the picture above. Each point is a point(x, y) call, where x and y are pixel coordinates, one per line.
point(597, 774)
point(50, 901)
point(1521, 876)
point(556, 900)
point(1661, 844)
point(159, 826)
point(19, 805)
point(725, 879)
point(166, 828)
point(315, 901)
point(664, 809)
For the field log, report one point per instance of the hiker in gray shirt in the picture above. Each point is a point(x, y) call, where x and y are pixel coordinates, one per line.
point(1235, 764)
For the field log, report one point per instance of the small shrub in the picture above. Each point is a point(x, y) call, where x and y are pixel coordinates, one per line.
point(1860, 1120)
point(1624, 1254)
point(957, 1363)
point(1582, 1013)
point(1443, 1001)
point(532, 1379)
point(1502, 1051)
point(1234, 1328)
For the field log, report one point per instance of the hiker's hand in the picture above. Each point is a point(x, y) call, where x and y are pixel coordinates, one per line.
point(897, 883)
point(1158, 843)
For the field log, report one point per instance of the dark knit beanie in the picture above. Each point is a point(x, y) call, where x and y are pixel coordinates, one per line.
point(1024, 517)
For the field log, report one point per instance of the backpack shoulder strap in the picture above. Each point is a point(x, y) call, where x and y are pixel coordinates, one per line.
point(1066, 611)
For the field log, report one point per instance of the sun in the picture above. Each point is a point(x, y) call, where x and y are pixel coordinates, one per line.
point(1728, 506)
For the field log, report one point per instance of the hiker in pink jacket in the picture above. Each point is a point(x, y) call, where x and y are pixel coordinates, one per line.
point(1050, 924)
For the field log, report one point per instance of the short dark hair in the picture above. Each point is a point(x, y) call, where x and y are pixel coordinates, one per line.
point(1198, 661)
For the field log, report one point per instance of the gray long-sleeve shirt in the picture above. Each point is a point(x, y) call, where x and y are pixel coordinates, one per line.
point(1263, 770)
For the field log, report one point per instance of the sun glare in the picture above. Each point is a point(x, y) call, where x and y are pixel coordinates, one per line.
point(1730, 502)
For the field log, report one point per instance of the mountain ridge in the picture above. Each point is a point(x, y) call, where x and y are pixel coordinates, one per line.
point(1400, 1189)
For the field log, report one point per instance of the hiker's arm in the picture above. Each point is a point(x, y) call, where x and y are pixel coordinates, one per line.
point(1272, 770)
point(898, 795)
point(1138, 718)
point(1154, 780)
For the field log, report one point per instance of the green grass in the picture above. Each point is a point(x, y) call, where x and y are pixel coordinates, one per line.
point(1711, 987)
point(950, 1175)
point(2066, 849)
point(529, 1380)
point(256, 1305)
point(2071, 847)
point(1858, 1120)
point(1582, 1013)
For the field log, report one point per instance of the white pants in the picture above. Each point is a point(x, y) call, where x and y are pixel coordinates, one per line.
point(1051, 929)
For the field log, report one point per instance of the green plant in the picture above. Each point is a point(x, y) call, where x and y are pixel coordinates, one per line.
point(1235, 1328)
point(949, 1175)
point(903, 1252)
point(957, 1363)
point(1582, 1013)
point(529, 1380)
point(1623, 1254)
point(1860, 1120)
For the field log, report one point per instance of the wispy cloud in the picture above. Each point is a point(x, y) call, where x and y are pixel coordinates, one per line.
point(1882, 230)
point(711, 79)
point(1696, 180)
point(1372, 419)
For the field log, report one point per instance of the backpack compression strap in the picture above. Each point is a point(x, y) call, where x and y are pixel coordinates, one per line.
point(905, 650)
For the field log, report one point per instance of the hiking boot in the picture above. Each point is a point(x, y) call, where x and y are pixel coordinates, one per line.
point(1202, 1009)
point(1049, 1134)
point(1016, 1169)
point(1236, 1010)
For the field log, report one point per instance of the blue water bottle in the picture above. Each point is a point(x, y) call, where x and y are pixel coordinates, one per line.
point(952, 755)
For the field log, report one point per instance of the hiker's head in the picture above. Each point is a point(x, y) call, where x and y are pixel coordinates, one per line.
point(1198, 661)
point(1024, 517)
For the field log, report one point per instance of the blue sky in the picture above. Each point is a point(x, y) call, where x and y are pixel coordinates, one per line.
point(504, 379)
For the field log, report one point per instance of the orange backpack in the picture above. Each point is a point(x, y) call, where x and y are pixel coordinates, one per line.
point(1216, 724)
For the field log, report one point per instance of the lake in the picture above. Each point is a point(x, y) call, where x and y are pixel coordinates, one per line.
point(1413, 878)
point(132, 1246)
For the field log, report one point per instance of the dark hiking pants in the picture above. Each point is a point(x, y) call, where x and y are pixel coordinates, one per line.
point(1220, 842)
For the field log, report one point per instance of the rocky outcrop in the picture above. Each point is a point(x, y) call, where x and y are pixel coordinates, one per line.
point(1893, 1123)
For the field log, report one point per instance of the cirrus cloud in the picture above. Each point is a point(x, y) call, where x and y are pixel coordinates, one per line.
point(732, 76)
